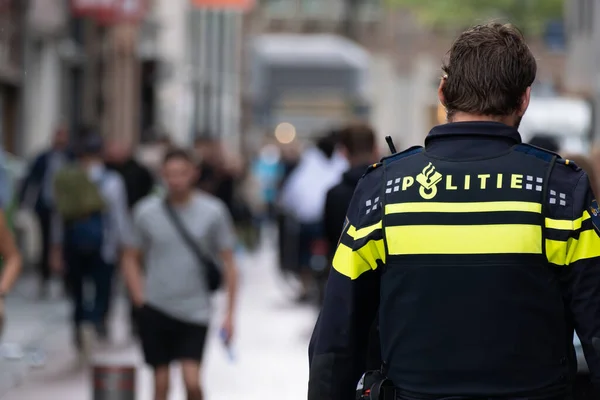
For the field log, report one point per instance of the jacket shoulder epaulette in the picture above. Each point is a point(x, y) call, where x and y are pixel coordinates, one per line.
point(538, 152)
point(546, 155)
point(393, 157)
point(408, 152)
point(372, 168)
point(569, 163)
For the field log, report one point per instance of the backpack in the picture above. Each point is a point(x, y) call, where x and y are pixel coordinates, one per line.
point(80, 204)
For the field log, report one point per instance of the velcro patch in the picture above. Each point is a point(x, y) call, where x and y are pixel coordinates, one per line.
point(344, 229)
point(594, 211)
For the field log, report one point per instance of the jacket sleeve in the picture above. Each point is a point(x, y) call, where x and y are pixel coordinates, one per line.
point(337, 352)
point(578, 253)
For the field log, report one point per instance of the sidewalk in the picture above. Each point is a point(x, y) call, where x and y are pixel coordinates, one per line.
point(270, 350)
point(30, 324)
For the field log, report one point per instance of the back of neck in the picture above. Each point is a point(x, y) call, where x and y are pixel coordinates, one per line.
point(464, 117)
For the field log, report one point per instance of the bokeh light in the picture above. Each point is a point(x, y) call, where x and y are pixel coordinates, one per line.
point(285, 133)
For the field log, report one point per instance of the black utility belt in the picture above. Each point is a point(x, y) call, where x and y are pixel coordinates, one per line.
point(375, 386)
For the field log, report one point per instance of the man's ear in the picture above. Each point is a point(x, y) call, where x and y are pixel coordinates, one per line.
point(525, 99)
point(441, 97)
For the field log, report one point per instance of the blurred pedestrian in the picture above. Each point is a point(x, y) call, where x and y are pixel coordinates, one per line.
point(595, 160)
point(545, 142)
point(217, 171)
point(359, 146)
point(286, 226)
point(209, 154)
point(152, 154)
point(11, 265)
point(89, 229)
point(6, 184)
point(138, 179)
point(303, 199)
point(37, 191)
point(268, 170)
point(173, 236)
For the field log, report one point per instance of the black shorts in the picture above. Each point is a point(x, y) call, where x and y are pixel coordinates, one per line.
point(166, 339)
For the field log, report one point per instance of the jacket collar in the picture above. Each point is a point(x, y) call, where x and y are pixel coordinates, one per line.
point(484, 129)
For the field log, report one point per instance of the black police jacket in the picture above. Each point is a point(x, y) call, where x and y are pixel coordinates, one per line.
point(337, 202)
point(485, 254)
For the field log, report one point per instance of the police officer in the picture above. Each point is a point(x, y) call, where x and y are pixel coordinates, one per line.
point(482, 254)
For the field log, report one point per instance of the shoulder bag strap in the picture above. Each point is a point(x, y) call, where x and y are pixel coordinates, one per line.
point(185, 234)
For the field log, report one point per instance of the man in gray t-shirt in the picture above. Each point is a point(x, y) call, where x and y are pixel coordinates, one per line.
point(174, 283)
point(173, 297)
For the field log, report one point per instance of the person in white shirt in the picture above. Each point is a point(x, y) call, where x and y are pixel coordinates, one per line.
point(303, 197)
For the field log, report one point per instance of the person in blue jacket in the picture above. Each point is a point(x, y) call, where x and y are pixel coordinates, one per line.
point(37, 191)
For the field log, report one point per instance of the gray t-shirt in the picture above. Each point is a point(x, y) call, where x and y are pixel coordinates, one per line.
point(175, 281)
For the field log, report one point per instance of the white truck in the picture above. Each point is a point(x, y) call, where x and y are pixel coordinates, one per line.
point(568, 120)
point(312, 82)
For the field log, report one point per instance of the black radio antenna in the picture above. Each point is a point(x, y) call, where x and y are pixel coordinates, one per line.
point(390, 143)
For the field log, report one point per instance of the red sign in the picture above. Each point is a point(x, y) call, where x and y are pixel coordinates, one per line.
point(110, 11)
point(88, 8)
point(235, 4)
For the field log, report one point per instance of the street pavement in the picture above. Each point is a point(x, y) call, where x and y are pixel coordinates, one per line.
point(269, 354)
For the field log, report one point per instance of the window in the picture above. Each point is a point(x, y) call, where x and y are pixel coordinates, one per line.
point(591, 15)
point(280, 8)
point(579, 21)
point(370, 10)
point(322, 9)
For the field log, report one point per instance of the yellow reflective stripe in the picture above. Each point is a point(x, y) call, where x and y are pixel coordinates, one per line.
point(565, 253)
point(355, 263)
point(556, 251)
point(373, 251)
point(587, 246)
point(464, 239)
point(489, 206)
point(363, 232)
point(567, 224)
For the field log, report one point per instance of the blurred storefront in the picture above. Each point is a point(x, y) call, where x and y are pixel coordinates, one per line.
point(11, 35)
point(82, 67)
point(582, 77)
point(198, 89)
point(110, 88)
point(45, 29)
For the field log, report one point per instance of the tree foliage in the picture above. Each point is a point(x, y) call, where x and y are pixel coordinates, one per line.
point(529, 15)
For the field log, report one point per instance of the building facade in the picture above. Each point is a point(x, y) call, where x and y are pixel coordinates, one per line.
point(12, 18)
point(199, 47)
point(82, 68)
point(582, 75)
point(46, 27)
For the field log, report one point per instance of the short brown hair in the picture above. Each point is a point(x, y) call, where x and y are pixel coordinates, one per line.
point(358, 139)
point(178, 154)
point(488, 70)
